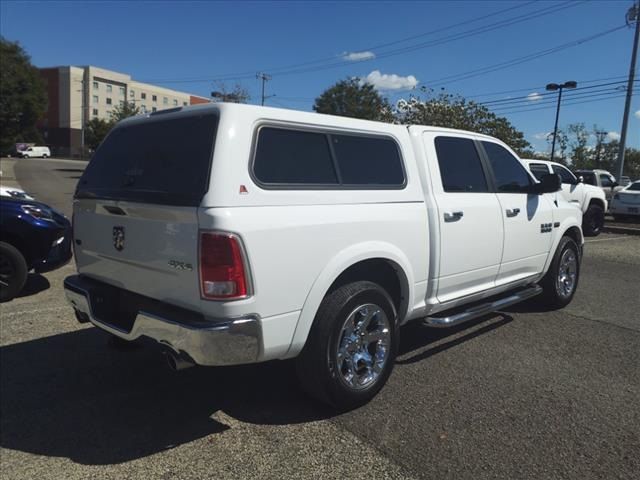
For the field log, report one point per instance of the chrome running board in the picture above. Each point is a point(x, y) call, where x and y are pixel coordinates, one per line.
point(478, 310)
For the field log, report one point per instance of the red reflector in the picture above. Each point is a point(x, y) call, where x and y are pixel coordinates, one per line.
point(222, 274)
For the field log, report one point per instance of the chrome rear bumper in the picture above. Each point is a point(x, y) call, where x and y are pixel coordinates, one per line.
point(216, 342)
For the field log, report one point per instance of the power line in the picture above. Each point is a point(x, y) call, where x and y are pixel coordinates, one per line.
point(551, 97)
point(294, 69)
point(441, 41)
point(568, 104)
point(519, 60)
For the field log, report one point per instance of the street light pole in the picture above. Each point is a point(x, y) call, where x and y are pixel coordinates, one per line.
point(552, 87)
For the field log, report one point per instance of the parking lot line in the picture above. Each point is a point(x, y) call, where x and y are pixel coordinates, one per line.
point(622, 237)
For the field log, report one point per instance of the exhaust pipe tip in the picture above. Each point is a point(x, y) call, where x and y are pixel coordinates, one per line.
point(177, 362)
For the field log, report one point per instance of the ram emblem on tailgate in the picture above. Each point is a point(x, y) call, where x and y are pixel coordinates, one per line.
point(118, 238)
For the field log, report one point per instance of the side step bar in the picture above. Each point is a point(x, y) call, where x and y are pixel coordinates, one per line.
point(476, 310)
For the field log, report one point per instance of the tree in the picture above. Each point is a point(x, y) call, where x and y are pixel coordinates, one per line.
point(454, 111)
point(351, 98)
point(562, 142)
point(23, 98)
point(632, 163)
point(601, 136)
point(95, 131)
point(238, 94)
point(124, 110)
point(578, 138)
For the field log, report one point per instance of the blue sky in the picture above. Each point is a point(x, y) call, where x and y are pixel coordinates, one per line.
point(189, 45)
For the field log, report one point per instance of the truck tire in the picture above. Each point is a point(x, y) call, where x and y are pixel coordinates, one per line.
point(593, 221)
point(561, 281)
point(13, 271)
point(352, 346)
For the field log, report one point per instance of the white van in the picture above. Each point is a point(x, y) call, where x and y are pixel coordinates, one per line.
point(32, 152)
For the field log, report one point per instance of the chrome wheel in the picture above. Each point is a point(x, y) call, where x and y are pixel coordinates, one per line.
point(363, 346)
point(567, 273)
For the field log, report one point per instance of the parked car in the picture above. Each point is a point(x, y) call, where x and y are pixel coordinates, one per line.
point(236, 234)
point(626, 202)
point(601, 179)
point(31, 152)
point(14, 192)
point(624, 181)
point(33, 236)
point(592, 200)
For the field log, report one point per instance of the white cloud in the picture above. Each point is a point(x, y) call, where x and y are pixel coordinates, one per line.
point(613, 136)
point(358, 56)
point(637, 114)
point(390, 81)
point(541, 135)
point(534, 97)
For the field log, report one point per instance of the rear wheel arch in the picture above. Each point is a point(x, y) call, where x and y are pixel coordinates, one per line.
point(382, 271)
point(346, 268)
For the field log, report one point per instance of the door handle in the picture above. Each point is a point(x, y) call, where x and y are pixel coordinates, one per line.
point(453, 216)
point(512, 212)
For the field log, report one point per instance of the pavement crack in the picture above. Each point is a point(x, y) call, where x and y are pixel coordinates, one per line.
point(581, 317)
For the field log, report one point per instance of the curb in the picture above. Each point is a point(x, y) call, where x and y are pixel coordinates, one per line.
point(623, 230)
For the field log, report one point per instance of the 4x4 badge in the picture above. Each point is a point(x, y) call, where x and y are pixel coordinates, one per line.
point(118, 238)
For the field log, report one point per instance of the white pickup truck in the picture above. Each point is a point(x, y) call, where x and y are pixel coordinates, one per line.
point(235, 234)
point(591, 199)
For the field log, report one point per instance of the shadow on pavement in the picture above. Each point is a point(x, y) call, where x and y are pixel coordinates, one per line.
point(72, 396)
point(415, 337)
point(36, 283)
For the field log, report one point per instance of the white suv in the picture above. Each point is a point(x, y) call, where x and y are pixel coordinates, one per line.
point(236, 234)
point(592, 200)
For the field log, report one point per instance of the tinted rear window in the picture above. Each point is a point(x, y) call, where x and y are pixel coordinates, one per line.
point(164, 161)
point(296, 158)
point(368, 160)
point(293, 157)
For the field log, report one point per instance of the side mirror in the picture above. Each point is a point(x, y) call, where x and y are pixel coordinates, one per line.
point(614, 185)
point(549, 183)
point(580, 179)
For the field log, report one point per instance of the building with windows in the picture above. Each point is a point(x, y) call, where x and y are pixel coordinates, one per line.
point(79, 94)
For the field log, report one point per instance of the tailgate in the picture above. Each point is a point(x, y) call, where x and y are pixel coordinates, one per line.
point(147, 249)
point(135, 208)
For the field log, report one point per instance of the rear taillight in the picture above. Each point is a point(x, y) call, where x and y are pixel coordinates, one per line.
point(222, 268)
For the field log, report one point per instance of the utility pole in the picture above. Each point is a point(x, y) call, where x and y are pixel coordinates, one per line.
point(265, 78)
point(633, 15)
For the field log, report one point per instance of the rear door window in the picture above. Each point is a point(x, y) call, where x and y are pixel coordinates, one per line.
point(160, 160)
point(460, 165)
point(510, 175)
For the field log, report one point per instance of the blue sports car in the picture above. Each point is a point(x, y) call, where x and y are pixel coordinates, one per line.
point(33, 236)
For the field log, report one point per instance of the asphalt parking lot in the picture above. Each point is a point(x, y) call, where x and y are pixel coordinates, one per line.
point(523, 393)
